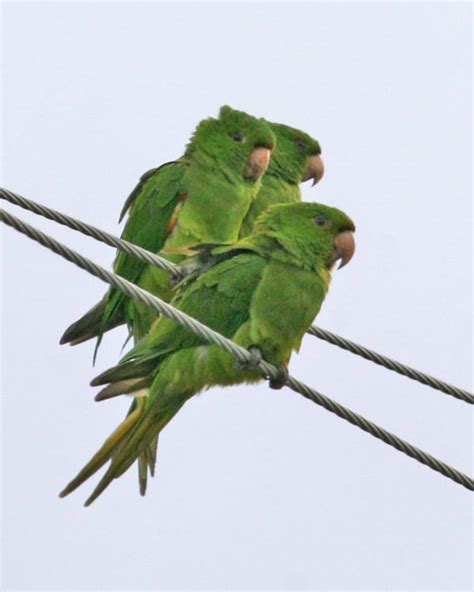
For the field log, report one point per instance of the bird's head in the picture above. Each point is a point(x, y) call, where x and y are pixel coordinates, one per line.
point(312, 235)
point(297, 156)
point(236, 142)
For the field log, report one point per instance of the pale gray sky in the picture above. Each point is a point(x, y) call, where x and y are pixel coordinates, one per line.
point(256, 489)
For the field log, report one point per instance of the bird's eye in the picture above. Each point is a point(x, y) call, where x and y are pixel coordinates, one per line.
point(238, 137)
point(322, 221)
point(300, 143)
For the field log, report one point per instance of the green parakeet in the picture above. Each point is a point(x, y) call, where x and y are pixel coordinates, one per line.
point(202, 197)
point(263, 293)
point(296, 158)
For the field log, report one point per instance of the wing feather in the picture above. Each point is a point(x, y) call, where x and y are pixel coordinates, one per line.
point(151, 206)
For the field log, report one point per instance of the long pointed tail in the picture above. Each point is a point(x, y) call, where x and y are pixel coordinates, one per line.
point(147, 459)
point(90, 325)
point(134, 438)
point(105, 452)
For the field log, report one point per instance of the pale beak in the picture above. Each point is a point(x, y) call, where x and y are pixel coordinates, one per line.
point(314, 169)
point(257, 163)
point(344, 247)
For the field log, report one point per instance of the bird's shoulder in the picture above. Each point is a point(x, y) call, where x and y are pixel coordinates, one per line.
point(156, 186)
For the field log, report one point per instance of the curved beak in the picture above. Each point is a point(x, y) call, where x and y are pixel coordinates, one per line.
point(344, 248)
point(314, 169)
point(257, 163)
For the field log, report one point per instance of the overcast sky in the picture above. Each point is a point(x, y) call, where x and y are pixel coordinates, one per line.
point(255, 489)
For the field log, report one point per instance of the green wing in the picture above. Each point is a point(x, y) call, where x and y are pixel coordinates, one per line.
point(151, 204)
point(136, 192)
point(220, 299)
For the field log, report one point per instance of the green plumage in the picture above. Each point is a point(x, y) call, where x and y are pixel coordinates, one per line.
point(263, 292)
point(202, 197)
point(211, 213)
point(286, 170)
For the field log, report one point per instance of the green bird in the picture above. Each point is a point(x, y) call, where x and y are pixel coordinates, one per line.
point(263, 293)
point(296, 159)
point(202, 197)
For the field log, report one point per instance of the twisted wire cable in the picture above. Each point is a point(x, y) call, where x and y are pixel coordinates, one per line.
point(240, 353)
point(398, 367)
point(175, 270)
point(100, 235)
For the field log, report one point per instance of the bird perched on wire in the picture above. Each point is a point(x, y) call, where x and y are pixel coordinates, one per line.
point(263, 292)
point(201, 197)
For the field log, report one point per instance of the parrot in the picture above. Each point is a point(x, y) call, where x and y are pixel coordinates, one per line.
point(263, 292)
point(296, 159)
point(201, 197)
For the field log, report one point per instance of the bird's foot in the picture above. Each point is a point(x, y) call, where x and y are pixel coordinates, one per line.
point(253, 362)
point(281, 380)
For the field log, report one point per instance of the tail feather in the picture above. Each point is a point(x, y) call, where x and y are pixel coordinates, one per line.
point(125, 457)
point(142, 474)
point(123, 387)
point(87, 327)
point(104, 453)
point(91, 325)
point(142, 459)
point(124, 372)
point(140, 437)
point(151, 455)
